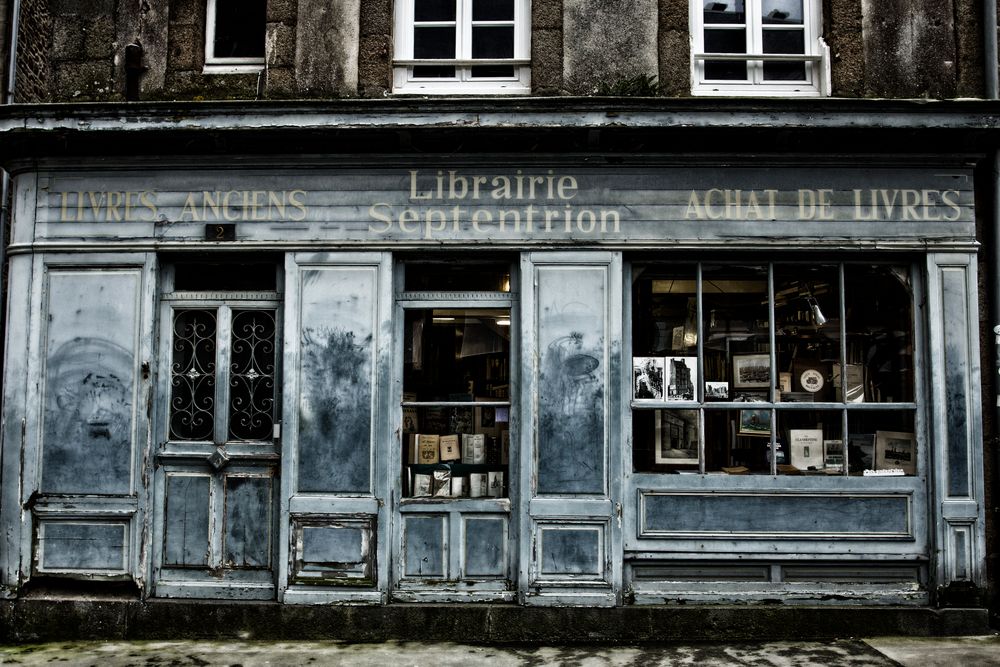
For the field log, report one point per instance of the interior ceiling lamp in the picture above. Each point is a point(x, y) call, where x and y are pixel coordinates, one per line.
point(817, 314)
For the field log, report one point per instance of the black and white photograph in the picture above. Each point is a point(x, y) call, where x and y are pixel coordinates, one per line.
point(677, 437)
point(895, 450)
point(647, 378)
point(861, 452)
point(718, 391)
point(682, 378)
point(751, 371)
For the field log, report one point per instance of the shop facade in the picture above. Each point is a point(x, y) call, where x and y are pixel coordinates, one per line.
point(533, 379)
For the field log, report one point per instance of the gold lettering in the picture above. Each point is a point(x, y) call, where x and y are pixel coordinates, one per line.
point(375, 213)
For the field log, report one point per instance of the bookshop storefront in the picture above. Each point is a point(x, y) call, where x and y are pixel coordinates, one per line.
point(540, 381)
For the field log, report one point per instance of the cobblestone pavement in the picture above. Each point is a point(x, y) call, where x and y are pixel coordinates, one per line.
point(919, 652)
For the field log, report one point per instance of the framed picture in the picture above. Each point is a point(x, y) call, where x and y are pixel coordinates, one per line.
point(647, 378)
point(806, 448)
point(896, 450)
point(676, 437)
point(751, 371)
point(682, 378)
point(755, 422)
point(718, 391)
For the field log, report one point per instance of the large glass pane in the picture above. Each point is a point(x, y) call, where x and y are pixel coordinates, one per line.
point(492, 10)
point(881, 443)
point(737, 340)
point(731, 11)
point(781, 11)
point(879, 304)
point(437, 42)
point(493, 41)
point(456, 355)
point(809, 442)
point(665, 440)
point(807, 331)
point(738, 442)
point(665, 311)
point(434, 10)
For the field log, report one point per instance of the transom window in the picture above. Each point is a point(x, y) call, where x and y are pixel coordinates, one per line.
point(462, 47)
point(234, 35)
point(758, 47)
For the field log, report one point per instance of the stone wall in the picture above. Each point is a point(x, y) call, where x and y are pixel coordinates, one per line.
point(73, 50)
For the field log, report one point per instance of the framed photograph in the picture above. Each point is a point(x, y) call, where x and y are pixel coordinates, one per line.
point(717, 391)
point(896, 450)
point(751, 371)
point(749, 397)
point(755, 422)
point(682, 378)
point(647, 378)
point(676, 438)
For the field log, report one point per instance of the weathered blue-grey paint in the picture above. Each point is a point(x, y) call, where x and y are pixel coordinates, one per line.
point(425, 546)
point(247, 535)
point(336, 359)
point(82, 546)
point(567, 551)
point(485, 547)
point(329, 544)
point(186, 519)
point(91, 339)
point(572, 380)
point(956, 354)
point(828, 514)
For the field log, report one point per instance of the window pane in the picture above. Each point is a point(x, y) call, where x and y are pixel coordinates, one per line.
point(455, 277)
point(433, 72)
point(251, 375)
point(239, 29)
point(810, 442)
point(807, 333)
point(492, 71)
point(784, 71)
point(781, 11)
point(725, 41)
point(434, 10)
point(455, 354)
point(879, 302)
point(881, 440)
point(493, 42)
point(784, 41)
point(434, 42)
point(665, 312)
point(738, 441)
point(725, 12)
point(492, 10)
point(665, 440)
point(192, 375)
point(737, 339)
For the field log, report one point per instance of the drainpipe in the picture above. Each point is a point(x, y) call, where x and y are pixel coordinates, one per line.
point(5, 182)
point(992, 79)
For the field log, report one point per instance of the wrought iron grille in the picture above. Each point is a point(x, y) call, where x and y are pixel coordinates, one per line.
point(192, 375)
point(251, 375)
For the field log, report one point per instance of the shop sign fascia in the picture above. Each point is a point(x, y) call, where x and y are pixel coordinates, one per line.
point(511, 204)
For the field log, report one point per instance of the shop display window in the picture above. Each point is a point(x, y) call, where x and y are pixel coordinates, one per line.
point(717, 389)
point(456, 403)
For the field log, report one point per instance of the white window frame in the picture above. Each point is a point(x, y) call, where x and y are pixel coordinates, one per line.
point(404, 82)
point(219, 65)
point(816, 57)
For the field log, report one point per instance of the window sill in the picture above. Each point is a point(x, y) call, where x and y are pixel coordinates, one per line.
point(245, 68)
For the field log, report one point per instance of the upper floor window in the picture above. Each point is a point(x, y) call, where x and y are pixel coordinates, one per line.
point(462, 47)
point(234, 35)
point(758, 47)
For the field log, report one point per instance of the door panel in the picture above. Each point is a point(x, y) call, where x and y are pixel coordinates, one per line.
point(217, 461)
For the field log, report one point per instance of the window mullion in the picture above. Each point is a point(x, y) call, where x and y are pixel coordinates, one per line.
point(223, 355)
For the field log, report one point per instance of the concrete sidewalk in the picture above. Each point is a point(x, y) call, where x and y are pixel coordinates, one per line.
point(981, 651)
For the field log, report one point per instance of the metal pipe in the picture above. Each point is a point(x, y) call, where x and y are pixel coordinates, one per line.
point(15, 21)
point(990, 50)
